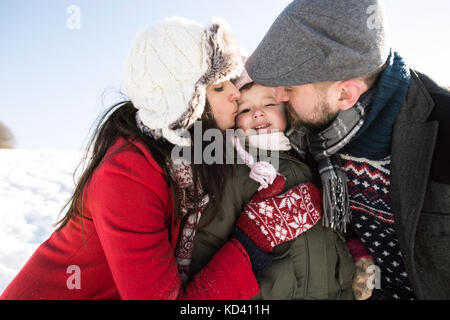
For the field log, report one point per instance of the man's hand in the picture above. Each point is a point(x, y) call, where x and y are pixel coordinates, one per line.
point(362, 288)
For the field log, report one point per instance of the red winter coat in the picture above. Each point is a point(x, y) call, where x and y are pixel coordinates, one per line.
point(128, 247)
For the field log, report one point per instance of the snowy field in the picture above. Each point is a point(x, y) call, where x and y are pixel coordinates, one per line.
point(34, 186)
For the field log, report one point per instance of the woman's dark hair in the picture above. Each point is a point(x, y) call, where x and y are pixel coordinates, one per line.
point(120, 121)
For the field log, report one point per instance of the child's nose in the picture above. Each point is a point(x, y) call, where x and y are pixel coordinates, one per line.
point(258, 113)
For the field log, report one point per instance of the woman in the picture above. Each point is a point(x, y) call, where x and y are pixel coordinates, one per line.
point(129, 229)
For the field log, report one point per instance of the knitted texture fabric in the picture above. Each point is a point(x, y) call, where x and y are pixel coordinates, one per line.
point(191, 208)
point(163, 66)
point(373, 140)
point(169, 68)
point(357, 249)
point(373, 221)
point(323, 146)
point(244, 78)
point(270, 219)
point(260, 260)
point(366, 161)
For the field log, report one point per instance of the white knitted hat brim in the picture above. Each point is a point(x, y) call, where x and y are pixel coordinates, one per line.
point(224, 63)
point(162, 69)
point(169, 68)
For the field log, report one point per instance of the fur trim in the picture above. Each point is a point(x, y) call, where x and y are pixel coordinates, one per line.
point(177, 137)
point(224, 63)
point(225, 60)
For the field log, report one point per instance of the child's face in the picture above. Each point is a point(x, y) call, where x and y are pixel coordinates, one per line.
point(258, 110)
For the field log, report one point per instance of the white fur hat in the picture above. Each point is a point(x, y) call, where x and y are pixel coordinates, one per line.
point(168, 69)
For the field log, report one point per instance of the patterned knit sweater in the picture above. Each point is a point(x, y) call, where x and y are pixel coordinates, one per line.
point(373, 222)
point(366, 160)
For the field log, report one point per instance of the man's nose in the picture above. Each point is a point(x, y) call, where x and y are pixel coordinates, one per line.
point(281, 95)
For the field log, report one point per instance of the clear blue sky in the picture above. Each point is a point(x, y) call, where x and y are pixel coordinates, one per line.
point(54, 82)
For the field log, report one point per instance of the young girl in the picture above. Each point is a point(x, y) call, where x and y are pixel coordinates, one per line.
point(120, 237)
point(317, 264)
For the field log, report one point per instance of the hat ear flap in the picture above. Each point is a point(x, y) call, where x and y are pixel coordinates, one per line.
point(223, 53)
point(195, 111)
point(224, 62)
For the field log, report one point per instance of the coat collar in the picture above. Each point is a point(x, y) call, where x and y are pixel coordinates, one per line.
point(413, 144)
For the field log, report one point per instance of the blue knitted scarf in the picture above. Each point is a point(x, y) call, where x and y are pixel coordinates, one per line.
point(373, 140)
point(364, 130)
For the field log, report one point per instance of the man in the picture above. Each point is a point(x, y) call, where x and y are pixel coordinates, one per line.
point(378, 131)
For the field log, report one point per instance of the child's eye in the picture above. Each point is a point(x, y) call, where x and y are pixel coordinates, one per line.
point(244, 111)
point(270, 105)
point(218, 89)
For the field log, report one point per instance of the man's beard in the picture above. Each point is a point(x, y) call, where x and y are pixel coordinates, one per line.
point(323, 117)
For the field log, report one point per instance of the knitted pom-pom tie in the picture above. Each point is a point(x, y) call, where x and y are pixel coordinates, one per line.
point(262, 172)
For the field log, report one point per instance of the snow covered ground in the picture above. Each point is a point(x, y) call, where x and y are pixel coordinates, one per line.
point(34, 187)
